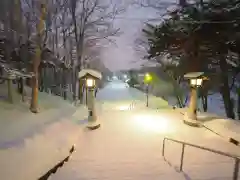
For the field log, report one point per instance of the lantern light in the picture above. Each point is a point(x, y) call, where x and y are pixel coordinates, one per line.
point(196, 82)
point(90, 82)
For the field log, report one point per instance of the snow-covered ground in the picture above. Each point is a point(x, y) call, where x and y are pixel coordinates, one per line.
point(34, 155)
point(215, 104)
point(40, 153)
point(128, 146)
point(31, 144)
point(18, 123)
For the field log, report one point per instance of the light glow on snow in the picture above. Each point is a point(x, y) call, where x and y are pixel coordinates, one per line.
point(147, 122)
point(123, 107)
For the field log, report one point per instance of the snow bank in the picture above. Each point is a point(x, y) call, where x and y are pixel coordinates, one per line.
point(227, 128)
point(39, 153)
point(31, 144)
point(18, 123)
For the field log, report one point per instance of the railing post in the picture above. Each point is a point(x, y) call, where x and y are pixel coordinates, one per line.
point(236, 169)
point(163, 147)
point(182, 155)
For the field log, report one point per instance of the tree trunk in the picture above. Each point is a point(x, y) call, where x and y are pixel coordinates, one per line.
point(224, 89)
point(46, 80)
point(56, 39)
point(204, 103)
point(34, 102)
point(41, 73)
point(23, 91)
point(37, 60)
point(20, 85)
point(81, 93)
point(45, 83)
point(64, 83)
point(79, 68)
point(75, 84)
point(10, 90)
point(203, 94)
point(65, 70)
point(54, 84)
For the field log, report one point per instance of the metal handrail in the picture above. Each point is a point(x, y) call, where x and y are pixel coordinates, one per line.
point(235, 157)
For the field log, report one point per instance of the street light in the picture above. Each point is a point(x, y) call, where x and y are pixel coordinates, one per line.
point(147, 80)
point(196, 79)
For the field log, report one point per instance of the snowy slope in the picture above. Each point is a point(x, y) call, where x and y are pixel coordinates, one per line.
point(31, 144)
point(215, 104)
point(125, 149)
point(38, 154)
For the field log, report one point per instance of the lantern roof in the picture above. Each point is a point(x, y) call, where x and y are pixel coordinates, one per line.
point(89, 72)
point(193, 75)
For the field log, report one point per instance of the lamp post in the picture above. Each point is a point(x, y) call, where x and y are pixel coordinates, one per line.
point(147, 93)
point(92, 117)
point(147, 80)
point(196, 80)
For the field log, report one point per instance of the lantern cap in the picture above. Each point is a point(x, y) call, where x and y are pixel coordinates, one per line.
point(193, 75)
point(89, 72)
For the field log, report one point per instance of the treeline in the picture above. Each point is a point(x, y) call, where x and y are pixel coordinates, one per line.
point(199, 36)
point(48, 42)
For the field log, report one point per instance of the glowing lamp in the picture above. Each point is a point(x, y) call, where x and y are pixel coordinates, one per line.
point(90, 82)
point(196, 82)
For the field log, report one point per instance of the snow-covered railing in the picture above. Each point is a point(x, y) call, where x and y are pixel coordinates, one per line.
point(184, 144)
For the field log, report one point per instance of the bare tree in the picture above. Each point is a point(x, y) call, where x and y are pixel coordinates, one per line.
point(91, 19)
point(61, 27)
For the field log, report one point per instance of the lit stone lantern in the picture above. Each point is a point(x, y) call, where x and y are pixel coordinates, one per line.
point(196, 79)
point(91, 76)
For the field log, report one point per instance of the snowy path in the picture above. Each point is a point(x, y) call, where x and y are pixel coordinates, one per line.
point(117, 151)
point(129, 143)
point(128, 146)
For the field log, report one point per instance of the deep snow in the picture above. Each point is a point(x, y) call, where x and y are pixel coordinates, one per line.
point(31, 144)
